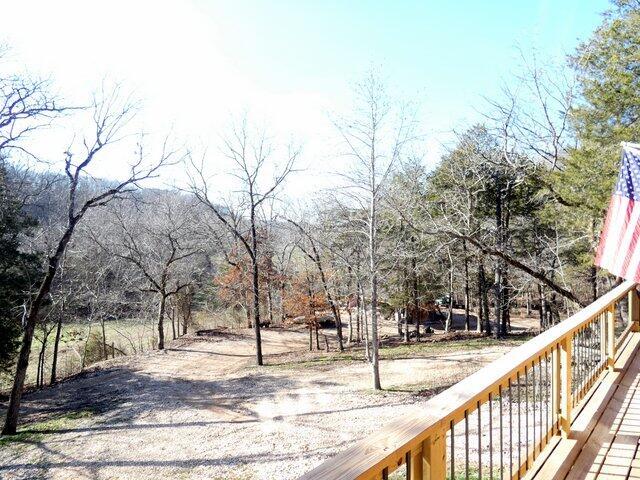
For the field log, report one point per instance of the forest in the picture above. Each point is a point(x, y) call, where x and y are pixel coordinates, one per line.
point(93, 268)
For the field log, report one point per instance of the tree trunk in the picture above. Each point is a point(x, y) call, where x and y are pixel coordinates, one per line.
point(173, 321)
point(312, 322)
point(449, 321)
point(186, 314)
point(593, 277)
point(247, 309)
point(480, 318)
point(505, 325)
point(485, 300)
point(498, 293)
point(40, 369)
point(358, 312)
point(161, 311)
point(365, 328)
point(416, 301)
point(373, 268)
point(83, 360)
point(11, 421)
point(349, 292)
point(543, 307)
point(56, 345)
point(467, 293)
point(327, 293)
point(283, 314)
point(269, 300)
point(256, 286)
point(406, 327)
point(104, 339)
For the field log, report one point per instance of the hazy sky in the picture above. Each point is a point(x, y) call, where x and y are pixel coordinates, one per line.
point(290, 63)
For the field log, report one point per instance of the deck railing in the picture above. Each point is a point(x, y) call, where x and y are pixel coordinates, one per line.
point(496, 422)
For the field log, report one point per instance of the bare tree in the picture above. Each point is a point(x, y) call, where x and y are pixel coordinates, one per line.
point(250, 154)
point(153, 234)
point(110, 114)
point(26, 105)
point(314, 256)
point(374, 138)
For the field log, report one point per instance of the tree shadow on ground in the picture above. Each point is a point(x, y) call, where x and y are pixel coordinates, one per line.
point(125, 394)
point(121, 397)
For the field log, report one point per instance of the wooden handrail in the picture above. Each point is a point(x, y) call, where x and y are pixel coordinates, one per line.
point(422, 433)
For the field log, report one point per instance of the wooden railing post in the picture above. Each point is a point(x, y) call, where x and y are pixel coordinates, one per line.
point(634, 310)
point(435, 456)
point(566, 346)
point(611, 335)
point(416, 469)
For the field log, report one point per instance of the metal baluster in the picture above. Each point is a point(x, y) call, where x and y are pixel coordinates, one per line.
point(600, 340)
point(526, 416)
point(490, 436)
point(533, 384)
point(452, 459)
point(501, 393)
point(596, 351)
point(558, 410)
point(587, 381)
point(581, 384)
point(593, 354)
point(547, 387)
point(579, 359)
point(479, 442)
point(407, 462)
point(541, 395)
point(572, 365)
point(580, 365)
point(466, 444)
point(576, 357)
point(510, 431)
point(585, 361)
point(385, 473)
point(519, 426)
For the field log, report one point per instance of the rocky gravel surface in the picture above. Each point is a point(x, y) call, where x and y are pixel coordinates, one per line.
point(200, 410)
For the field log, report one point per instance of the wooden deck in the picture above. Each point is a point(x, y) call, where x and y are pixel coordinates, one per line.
point(605, 435)
point(564, 405)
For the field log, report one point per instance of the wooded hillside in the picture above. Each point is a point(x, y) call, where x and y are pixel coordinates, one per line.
point(508, 219)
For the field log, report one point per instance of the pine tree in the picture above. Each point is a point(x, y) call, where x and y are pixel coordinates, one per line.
point(17, 271)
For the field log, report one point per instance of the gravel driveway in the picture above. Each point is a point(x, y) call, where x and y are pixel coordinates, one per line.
point(200, 410)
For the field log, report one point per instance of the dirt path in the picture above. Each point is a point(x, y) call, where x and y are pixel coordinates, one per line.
point(200, 410)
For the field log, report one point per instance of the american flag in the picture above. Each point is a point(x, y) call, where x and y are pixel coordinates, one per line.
point(619, 248)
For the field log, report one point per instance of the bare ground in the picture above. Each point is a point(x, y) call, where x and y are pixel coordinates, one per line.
point(200, 410)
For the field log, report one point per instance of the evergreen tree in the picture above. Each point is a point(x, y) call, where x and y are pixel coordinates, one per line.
point(608, 67)
point(17, 271)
